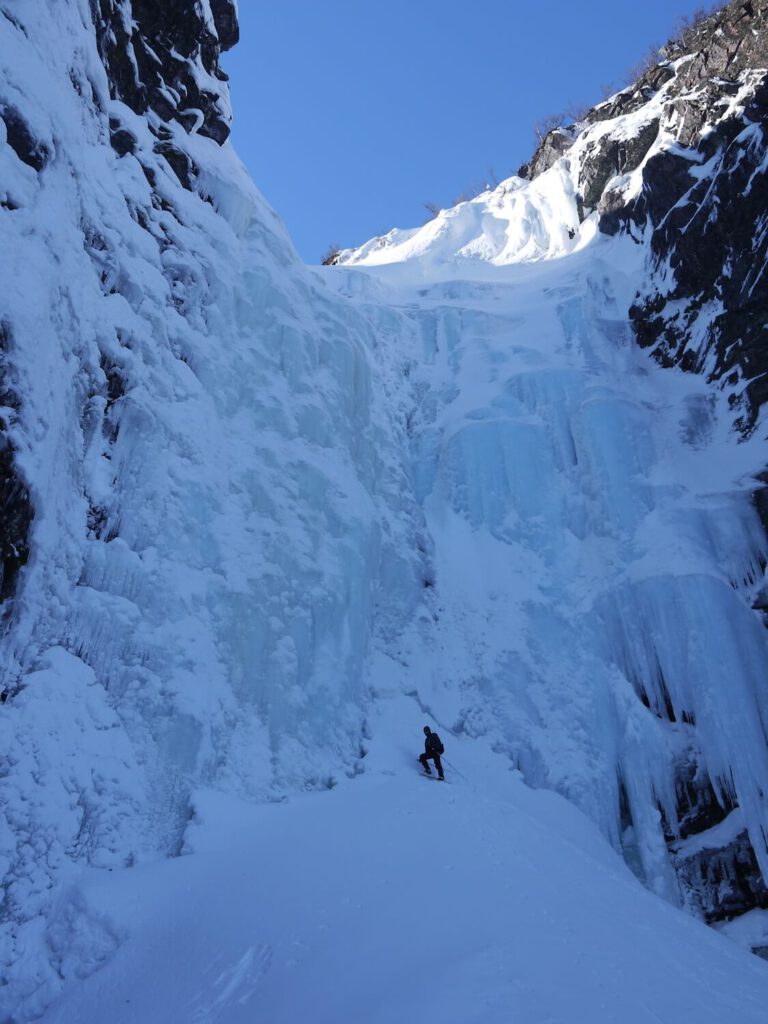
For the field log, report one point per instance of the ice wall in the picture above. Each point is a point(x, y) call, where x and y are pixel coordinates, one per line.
point(216, 483)
point(595, 553)
point(595, 524)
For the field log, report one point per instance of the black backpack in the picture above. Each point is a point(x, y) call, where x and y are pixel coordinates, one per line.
point(435, 744)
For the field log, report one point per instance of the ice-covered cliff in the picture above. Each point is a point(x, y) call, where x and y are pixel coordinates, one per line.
point(249, 508)
point(204, 498)
point(643, 223)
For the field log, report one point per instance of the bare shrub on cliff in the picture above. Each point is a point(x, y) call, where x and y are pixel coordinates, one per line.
point(684, 32)
point(547, 124)
point(653, 55)
point(331, 255)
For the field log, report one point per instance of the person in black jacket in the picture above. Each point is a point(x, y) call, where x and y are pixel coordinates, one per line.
point(433, 748)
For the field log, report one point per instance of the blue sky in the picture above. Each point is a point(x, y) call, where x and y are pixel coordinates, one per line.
point(350, 114)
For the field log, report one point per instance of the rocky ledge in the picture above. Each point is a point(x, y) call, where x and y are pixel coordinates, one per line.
point(162, 60)
point(703, 203)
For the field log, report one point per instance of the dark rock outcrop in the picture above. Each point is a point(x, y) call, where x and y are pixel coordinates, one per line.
point(15, 505)
point(21, 139)
point(617, 156)
point(712, 231)
point(703, 205)
point(164, 58)
point(699, 808)
point(719, 870)
point(555, 144)
point(723, 881)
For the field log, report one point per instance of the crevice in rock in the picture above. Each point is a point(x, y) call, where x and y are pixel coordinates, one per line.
point(16, 511)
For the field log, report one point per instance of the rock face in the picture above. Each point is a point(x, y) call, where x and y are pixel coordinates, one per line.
point(710, 314)
point(702, 204)
point(164, 59)
point(554, 145)
point(15, 506)
point(605, 160)
point(706, 209)
point(712, 852)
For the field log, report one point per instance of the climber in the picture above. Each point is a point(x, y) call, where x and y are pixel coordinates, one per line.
point(433, 748)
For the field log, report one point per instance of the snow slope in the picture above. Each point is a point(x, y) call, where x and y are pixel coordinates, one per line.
point(516, 222)
point(396, 898)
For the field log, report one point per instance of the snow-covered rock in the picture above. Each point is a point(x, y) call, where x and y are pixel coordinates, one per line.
point(205, 499)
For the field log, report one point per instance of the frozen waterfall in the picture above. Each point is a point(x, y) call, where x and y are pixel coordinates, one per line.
point(275, 516)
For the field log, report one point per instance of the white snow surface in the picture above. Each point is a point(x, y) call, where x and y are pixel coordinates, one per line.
point(516, 222)
point(521, 221)
point(395, 898)
point(283, 519)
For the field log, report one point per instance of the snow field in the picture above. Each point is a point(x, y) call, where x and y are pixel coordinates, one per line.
point(391, 898)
